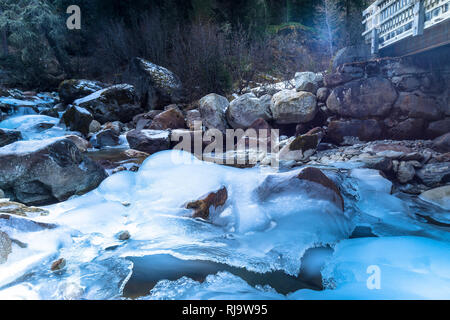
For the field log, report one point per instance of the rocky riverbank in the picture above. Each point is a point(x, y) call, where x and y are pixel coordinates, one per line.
point(333, 142)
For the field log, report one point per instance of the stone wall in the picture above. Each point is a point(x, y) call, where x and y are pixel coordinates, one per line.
point(389, 98)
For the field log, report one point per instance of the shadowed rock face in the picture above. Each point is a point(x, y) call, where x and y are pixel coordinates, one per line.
point(442, 143)
point(363, 98)
point(416, 105)
point(214, 199)
point(9, 136)
point(433, 174)
point(70, 90)
point(38, 173)
point(365, 130)
point(116, 103)
point(77, 119)
point(155, 86)
point(149, 141)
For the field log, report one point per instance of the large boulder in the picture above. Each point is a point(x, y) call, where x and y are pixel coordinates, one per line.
point(77, 119)
point(438, 128)
point(169, 119)
point(372, 97)
point(351, 54)
point(408, 129)
point(116, 103)
point(308, 81)
point(322, 94)
point(155, 86)
point(405, 172)
point(71, 90)
point(416, 105)
point(244, 110)
point(406, 83)
point(290, 107)
point(434, 174)
point(149, 141)
point(310, 180)
point(438, 196)
point(9, 136)
point(46, 171)
point(302, 147)
point(192, 117)
point(82, 144)
point(212, 109)
point(442, 143)
point(105, 138)
point(365, 130)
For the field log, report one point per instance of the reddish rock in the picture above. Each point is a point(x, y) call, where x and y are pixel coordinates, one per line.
point(316, 175)
point(416, 105)
point(169, 119)
point(77, 119)
point(214, 199)
point(58, 264)
point(365, 130)
point(409, 129)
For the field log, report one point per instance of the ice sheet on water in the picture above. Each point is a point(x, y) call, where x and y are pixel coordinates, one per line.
point(387, 214)
point(409, 268)
point(35, 127)
point(222, 286)
point(92, 280)
point(260, 236)
point(27, 107)
point(271, 236)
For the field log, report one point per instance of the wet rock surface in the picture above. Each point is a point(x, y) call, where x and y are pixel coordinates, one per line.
point(212, 200)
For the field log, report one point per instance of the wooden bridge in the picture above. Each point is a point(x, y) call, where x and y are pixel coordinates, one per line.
point(403, 27)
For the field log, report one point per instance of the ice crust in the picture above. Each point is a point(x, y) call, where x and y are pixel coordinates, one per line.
point(259, 236)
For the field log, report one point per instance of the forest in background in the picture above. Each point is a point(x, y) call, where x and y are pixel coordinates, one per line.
point(212, 45)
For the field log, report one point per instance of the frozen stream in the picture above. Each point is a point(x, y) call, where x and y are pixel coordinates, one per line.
point(250, 249)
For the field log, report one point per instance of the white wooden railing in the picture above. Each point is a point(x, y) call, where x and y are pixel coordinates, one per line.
point(389, 21)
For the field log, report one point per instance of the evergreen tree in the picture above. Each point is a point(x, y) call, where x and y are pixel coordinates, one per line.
point(36, 32)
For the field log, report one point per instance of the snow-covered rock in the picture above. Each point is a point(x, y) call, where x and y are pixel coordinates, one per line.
point(115, 103)
point(39, 172)
point(158, 85)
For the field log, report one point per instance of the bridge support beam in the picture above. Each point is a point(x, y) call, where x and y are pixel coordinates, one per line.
point(419, 18)
point(374, 43)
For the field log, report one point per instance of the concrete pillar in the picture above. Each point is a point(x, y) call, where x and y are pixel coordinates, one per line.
point(374, 44)
point(419, 18)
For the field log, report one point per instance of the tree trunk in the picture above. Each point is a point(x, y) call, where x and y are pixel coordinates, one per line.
point(5, 42)
point(4, 35)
